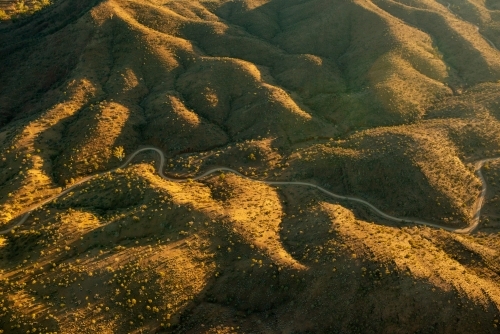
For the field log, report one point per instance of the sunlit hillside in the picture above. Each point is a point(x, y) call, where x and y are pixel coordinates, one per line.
point(14, 10)
point(393, 102)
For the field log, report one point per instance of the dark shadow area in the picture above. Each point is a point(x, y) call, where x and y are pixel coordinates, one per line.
point(38, 53)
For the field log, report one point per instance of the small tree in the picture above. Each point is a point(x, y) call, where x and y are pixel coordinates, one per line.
point(119, 153)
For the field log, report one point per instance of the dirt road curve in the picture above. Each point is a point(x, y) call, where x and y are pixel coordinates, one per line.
point(472, 225)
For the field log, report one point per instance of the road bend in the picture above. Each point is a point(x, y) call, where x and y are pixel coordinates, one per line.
point(473, 224)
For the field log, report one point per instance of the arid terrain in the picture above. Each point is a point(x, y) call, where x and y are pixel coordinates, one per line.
point(392, 102)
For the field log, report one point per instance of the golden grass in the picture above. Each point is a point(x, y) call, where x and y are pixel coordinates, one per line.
point(389, 101)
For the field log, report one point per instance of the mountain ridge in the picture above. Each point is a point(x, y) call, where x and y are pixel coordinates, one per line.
point(388, 101)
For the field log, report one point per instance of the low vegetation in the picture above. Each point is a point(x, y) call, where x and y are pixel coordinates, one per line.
point(22, 8)
point(391, 102)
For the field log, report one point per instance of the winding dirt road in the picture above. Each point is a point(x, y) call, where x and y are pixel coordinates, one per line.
point(472, 225)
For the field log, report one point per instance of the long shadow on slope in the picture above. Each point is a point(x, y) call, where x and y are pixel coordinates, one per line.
point(31, 30)
point(325, 58)
point(38, 54)
point(325, 301)
point(111, 239)
point(468, 62)
point(50, 165)
point(252, 292)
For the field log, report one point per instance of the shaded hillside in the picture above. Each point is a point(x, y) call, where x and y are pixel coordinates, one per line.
point(388, 101)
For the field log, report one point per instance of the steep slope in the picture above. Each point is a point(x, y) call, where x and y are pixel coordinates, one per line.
point(389, 101)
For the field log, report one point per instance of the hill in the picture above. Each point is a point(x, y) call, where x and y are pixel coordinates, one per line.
point(392, 102)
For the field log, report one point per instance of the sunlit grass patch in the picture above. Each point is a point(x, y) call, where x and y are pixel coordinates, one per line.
point(24, 8)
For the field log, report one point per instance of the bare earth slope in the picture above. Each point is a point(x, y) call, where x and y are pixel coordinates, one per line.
point(391, 101)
